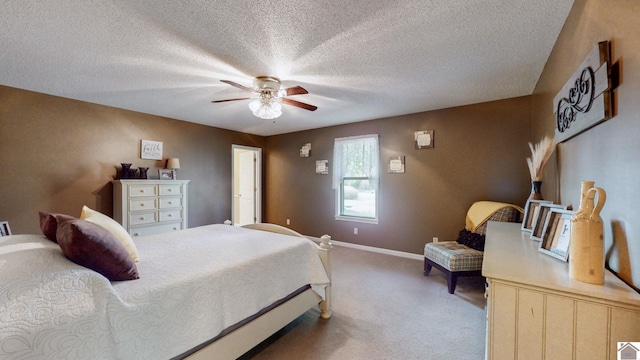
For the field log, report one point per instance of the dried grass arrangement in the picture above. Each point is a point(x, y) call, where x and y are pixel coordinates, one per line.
point(539, 156)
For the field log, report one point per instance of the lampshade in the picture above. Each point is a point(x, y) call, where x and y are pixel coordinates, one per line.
point(173, 163)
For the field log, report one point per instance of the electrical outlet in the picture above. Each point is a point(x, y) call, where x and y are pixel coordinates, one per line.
point(355, 231)
point(288, 222)
point(435, 239)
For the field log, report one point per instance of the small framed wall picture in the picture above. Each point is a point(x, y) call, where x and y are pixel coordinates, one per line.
point(322, 167)
point(305, 150)
point(166, 174)
point(150, 150)
point(396, 165)
point(4, 228)
point(423, 139)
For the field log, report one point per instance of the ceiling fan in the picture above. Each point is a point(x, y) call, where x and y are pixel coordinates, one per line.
point(267, 104)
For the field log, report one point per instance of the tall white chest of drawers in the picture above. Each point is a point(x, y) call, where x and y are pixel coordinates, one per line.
point(537, 311)
point(146, 207)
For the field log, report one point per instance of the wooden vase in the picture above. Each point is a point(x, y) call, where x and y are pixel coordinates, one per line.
point(586, 251)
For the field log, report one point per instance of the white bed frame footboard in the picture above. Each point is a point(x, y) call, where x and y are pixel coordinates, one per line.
point(238, 342)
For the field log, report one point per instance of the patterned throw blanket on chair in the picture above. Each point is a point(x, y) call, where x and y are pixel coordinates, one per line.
point(477, 217)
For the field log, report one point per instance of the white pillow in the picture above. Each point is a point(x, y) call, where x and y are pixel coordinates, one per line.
point(113, 227)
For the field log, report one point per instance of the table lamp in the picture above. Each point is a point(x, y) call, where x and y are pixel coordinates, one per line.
point(173, 164)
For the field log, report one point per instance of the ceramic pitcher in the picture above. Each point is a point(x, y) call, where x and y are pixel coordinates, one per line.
point(586, 252)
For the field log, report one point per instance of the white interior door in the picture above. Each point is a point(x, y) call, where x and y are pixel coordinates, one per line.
point(247, 188)
point(246, 185)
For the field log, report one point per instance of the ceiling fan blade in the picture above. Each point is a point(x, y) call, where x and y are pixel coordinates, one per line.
point(233, 83)
point(296, 90)
point(217, 101)
point(299, 104)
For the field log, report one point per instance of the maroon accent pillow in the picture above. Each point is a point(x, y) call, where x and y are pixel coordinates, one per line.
point(94, 247)
point(472, 240)
point(49, 224)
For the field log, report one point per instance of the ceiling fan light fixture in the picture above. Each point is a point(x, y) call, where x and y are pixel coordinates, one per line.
point(270, 95)
point(254, 106)
point(276, 106)
point(265, 109)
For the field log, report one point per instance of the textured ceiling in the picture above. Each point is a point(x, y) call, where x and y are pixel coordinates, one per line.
point(359, 60)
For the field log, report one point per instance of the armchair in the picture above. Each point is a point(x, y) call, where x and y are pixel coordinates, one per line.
point(463, 257)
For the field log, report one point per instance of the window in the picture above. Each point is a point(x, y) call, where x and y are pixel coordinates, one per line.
point(355, 178)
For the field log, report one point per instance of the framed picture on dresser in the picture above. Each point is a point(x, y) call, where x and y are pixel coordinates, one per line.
point(165, 174)
point(531, 211)
point(556, 234)
point(4, 228)
point(537, 225)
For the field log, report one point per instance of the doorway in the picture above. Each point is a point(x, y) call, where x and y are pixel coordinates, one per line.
point(246, 185)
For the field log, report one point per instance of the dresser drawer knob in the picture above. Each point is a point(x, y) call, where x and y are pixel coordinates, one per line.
point(170, 202)
point(142, 218)
point(169, 215)
point(136, 234)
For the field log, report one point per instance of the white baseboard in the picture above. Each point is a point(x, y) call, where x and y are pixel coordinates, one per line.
point(374, 249)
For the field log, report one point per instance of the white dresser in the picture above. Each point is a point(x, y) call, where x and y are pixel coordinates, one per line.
point(145, 207)
point(536, 311)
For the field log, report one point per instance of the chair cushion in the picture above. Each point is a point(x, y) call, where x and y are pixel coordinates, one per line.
point(454, 256)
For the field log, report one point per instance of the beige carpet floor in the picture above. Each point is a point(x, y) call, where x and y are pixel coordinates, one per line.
point(385, 308)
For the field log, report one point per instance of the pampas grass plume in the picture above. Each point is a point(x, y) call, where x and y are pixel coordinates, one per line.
point(539, 156)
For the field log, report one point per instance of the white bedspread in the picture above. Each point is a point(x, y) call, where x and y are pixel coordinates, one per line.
point(191, 287)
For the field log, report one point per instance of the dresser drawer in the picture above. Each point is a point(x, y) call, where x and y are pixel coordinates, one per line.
point(167, 215)
point(143, 204)
point(143, 190)
point(140, 218)
point(150, 230)
point(170, 202)
point(170, 190)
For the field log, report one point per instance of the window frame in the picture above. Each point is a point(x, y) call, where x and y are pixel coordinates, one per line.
point(339, 190)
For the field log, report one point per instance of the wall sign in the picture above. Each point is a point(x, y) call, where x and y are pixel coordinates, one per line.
point(150, 150)
point(396, 165)
point(322, 167)
point(423, 139)
point(585, 100)
point(305, 150)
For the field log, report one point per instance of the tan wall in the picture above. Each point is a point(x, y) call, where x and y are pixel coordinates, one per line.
point(479, 154)
point(59, 154)
point(607, 153)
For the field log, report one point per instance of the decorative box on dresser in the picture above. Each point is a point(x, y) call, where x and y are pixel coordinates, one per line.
point(146, 207)
point(536, 311)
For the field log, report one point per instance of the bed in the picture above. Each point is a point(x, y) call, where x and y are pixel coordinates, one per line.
point(210, 292)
